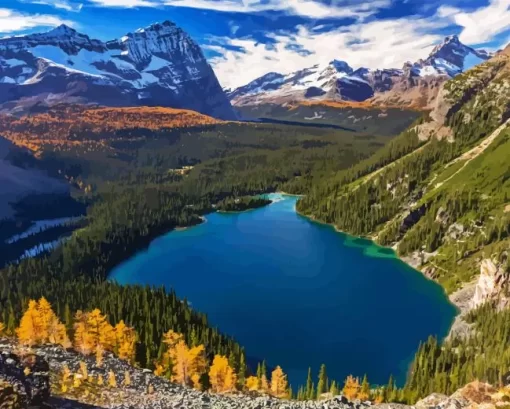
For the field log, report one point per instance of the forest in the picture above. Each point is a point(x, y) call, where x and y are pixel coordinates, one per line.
point(137, 183)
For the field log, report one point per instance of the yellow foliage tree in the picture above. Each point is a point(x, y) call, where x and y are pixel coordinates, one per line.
point(112, 381)
point(99, 356)
point(29, 329)
point(252, 383)
point(221, 375)
point(2, 328)
point(351, 387)
point(125, 340)
point(279, 385)
point(184, 365)
point(66, 375)
point(91, 330)
point(40, 324)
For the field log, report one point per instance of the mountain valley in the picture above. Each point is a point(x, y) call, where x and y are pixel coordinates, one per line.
point(109, 146)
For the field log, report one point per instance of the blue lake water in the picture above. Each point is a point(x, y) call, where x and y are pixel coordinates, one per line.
point(298, 293)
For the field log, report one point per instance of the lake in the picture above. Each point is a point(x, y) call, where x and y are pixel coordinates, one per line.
point(298, 293)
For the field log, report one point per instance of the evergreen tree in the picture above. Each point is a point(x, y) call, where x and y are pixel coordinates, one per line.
point(322, 385)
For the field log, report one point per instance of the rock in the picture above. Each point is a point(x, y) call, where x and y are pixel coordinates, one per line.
point(28, 375)
point(9, 398)
point(412, 218)
point(430, 401)
point(491, 285)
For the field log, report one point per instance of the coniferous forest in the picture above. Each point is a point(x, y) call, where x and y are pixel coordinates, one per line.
point(141, 181)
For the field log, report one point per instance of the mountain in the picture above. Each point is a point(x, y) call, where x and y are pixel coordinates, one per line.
point(159, 65)
point(18, 182)
point(414, 85)
point(438, 193)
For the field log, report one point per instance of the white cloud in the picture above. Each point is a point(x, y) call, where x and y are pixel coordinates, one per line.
point(482, 24)
point(12, 21)
point(304, 8)
point(59, 4)
point(377, 44)
point(126, 3)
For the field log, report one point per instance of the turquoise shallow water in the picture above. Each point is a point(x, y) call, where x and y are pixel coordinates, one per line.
point(297, 293)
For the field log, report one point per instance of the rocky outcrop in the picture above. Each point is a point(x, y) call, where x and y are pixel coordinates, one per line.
point(492, 285)
point(159, 65)
point(25, 379)
point(9, 398)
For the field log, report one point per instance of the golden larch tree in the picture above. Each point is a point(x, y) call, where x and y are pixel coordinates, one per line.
point(125, 342)
point(351, 387)
point(29, 329)
point(221, 375)
point(198, 365)
point(92, 329)
point(252, 383)
point(52, 330)
point(279, 385)
point(112, 381)
point(83, 340)
point(184, 365)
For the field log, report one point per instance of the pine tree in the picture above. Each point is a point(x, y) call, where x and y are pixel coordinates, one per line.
point(242, 371)
point(309, 386)
point(365, 389)
point(389, 391)
point(333, 390)
point(279, 385)
point(322, 385)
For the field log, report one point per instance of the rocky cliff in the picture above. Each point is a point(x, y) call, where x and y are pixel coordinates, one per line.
point(159, 65)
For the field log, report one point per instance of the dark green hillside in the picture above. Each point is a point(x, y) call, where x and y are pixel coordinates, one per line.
point(381, 121)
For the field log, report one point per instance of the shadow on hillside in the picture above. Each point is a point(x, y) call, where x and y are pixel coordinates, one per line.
point(60, 403)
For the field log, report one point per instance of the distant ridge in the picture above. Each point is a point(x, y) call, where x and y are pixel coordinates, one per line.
point(414, 85)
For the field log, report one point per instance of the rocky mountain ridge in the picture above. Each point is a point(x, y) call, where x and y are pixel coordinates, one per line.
point(414, 85)
point(159, 65)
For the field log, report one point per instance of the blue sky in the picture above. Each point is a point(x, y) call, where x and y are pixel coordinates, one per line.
point(244, 39)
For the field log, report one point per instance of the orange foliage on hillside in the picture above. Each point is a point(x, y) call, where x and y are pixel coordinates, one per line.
point(367, 104)
point(72, 124)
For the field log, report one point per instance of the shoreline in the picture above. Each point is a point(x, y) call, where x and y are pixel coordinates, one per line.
point(457, 298)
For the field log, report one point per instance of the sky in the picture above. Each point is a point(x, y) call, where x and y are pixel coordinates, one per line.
point(244, 39)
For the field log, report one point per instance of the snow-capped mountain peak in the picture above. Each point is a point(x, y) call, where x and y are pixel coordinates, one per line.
point(341, 66)
point(338, 81)
point(157, 65)
point(450, 57)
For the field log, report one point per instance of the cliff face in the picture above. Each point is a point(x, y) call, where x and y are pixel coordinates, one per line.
point(492, 285)
point(159, 65)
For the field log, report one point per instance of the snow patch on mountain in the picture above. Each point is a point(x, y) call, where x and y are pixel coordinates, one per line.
point(338, 81)
point(157, 65)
